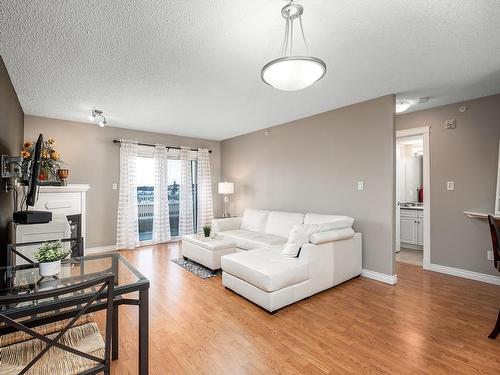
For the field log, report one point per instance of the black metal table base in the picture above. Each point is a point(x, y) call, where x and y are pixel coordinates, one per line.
point(143, 305)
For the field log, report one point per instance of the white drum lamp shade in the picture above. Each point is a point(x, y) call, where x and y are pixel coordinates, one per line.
point(226, 187)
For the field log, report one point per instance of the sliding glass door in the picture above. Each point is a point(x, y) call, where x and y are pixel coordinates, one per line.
point(174, 176)
point(145, 196)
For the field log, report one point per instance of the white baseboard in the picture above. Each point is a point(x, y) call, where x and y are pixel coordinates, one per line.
point(388, 279)
point(426, 264)
point(485, 278)
point(100, 249)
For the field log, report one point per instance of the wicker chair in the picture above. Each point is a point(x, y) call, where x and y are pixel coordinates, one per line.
point(495, 241)
point(73, 345)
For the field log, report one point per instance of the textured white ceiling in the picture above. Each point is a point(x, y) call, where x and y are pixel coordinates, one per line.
point(193, 67)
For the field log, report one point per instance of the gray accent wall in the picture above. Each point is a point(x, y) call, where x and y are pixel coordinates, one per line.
point(11, 138)
point(467, 155)
point(314, 164)
point(88, 151)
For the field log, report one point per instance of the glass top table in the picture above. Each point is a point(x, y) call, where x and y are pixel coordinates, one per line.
point(25, 279)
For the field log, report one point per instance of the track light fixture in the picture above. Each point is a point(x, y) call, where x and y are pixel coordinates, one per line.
point(98, 113)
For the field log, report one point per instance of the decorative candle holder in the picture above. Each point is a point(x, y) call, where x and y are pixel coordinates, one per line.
point(63, 174)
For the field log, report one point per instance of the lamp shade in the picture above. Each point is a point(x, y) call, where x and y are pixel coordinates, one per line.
point(226, 187)
point(293, 73)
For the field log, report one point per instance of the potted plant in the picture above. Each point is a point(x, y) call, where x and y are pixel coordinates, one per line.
point(206, 230)
point(49, 256)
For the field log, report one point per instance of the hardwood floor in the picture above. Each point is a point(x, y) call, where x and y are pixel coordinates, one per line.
point(429, 323)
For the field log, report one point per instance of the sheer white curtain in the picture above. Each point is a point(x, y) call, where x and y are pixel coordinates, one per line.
point(205, 206)
point(127, 227)
point(185, 194)
point(161, 218)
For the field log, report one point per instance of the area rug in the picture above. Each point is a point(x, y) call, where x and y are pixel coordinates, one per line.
point(196, 268)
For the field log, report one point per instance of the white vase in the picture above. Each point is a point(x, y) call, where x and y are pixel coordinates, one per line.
point(50, 268)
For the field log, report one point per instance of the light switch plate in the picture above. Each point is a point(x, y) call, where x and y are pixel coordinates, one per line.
point(114, 186)
point(361, 186)
point(450, 185)
point(490, 255)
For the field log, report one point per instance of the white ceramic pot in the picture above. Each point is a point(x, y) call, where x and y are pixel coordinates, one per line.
point(50, 268)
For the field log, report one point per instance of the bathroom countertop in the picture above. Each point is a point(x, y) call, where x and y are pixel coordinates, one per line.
point(420, 208)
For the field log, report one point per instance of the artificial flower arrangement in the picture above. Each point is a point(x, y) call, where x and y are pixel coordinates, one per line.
point(50, 159)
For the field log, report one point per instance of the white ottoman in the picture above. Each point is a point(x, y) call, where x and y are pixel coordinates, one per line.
point(206, 250)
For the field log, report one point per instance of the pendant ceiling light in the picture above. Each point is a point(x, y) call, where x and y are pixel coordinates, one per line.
point(291, 72)
point(402, 105)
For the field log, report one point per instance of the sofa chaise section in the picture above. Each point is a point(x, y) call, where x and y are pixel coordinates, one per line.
point(271, 279)
point(266, 268)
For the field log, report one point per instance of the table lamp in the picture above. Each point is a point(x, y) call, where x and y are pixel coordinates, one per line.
point(226, 188)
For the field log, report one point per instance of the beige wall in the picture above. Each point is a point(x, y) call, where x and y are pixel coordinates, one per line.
point(93, 158)
point(11, 138)
point(467, 155)
point(313, 165)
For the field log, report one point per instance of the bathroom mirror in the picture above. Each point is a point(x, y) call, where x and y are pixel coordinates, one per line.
point(411, 171)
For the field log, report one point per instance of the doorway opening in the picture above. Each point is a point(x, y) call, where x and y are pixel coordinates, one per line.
point(412, 197)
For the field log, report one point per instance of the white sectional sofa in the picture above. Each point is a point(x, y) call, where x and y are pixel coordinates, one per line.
point(260, 270)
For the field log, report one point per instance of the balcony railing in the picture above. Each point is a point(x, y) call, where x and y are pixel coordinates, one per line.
point(145, 201)
point(146, 213)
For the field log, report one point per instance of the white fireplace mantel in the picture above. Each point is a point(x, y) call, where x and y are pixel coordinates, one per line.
point(70, 188)
point(64, 200)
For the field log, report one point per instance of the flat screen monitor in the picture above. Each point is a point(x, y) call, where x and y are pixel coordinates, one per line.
point(34, 172)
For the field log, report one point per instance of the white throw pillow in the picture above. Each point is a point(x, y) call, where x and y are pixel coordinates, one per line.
point(299, 235)
point(296, 239)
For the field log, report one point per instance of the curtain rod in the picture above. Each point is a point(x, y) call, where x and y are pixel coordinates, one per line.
point(151, 145)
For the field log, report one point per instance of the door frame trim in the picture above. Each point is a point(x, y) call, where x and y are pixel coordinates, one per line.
point(425, 132)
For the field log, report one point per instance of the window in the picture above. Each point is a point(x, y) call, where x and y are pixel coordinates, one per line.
point(145, 195)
